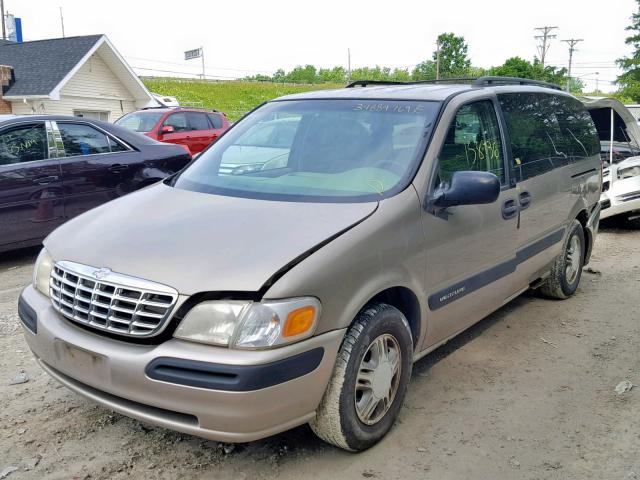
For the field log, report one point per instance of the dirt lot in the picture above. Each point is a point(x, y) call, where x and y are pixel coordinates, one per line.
point(527, 393)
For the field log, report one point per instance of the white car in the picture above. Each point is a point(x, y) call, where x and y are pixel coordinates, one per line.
point(621, 189)
point(620, 137)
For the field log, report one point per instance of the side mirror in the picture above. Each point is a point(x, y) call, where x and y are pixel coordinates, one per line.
point(167, 129)
point(468, 188)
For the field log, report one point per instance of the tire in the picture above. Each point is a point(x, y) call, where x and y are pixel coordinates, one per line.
point(342, 418)
point(567, 269)
point(633, 222)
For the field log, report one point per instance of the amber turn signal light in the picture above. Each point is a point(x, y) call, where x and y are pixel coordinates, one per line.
point(299, 321)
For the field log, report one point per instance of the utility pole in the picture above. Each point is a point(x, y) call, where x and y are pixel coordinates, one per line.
point(572, 42)
point(4, 27)
point(62, 22)
point(597, 89)
point(202, 55)
point(349, 64)
point(438, 59)
point(543, 48)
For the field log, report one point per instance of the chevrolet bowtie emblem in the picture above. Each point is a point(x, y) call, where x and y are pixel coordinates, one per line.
point(101, 273)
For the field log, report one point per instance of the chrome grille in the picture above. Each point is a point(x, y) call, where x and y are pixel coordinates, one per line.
point(114, 302)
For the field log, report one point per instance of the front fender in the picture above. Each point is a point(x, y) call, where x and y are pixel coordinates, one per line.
point(384, 251)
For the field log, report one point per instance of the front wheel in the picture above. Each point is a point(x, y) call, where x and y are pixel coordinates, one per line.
point(369, 382)
point(567, 269)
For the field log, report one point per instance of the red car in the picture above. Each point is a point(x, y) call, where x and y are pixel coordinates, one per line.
point(191, 127)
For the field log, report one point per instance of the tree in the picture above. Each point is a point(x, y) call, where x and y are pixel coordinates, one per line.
point(453, 55)
point(630, 79)
point(521, 68)
point(424, 71)
point(335, 74)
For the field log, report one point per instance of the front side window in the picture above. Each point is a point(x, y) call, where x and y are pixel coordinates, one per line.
point(79, 139)
point(24, 143)
point(142, 122)
point(178, 121)
point(317, 150)
point(473, 143)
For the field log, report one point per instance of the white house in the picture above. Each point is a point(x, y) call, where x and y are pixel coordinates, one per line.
point(84, 76)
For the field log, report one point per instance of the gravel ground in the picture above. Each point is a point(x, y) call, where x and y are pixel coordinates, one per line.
point(526, 393)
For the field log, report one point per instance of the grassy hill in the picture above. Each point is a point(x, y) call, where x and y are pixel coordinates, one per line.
point(235, 98)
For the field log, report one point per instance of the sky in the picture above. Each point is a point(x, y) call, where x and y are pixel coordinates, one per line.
point(246, 37)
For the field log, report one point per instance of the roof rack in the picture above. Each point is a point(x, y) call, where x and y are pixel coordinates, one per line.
point(514, 81)
point(365, 83)
point(475, 81)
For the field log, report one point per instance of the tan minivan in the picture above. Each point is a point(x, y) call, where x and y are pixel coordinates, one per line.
point(301, 281)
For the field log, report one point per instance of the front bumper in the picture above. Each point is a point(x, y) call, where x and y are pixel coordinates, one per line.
point(623, 196)
point(193, 399)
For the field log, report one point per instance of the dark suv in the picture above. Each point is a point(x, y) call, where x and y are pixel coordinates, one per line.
point(193, 128)
point(53, 168)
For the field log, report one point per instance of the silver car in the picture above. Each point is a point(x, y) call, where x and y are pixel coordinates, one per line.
point(237, 306)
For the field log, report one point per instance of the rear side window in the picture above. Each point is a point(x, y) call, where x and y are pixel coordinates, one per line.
point(81, 139)
point(25, 143)
point(546, 132)
point(578, 129)
point(216, 120)
point(116, 146)
point(198, 121)
point(473, 143)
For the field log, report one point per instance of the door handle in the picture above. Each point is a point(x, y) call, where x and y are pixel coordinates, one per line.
point(510, 209)
point(45, 180)
point(118, 168)
point(525, 200)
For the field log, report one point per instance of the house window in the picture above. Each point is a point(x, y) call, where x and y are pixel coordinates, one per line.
point(93, 115)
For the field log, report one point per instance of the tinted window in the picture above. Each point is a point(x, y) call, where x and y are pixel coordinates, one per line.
point(546, 131)
point(473, 143)
point(82, 140)
point(198, 121)
point(578, 129)
point(25, 143)
point(178, 121)
point(532, 132)
point(216, 120)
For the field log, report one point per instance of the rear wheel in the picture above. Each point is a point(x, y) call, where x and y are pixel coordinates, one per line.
point(369, 382)
point(567, 269)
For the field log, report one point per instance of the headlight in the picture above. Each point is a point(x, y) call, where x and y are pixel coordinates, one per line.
point(250, 325)
point(628, 172)
point(42, 272)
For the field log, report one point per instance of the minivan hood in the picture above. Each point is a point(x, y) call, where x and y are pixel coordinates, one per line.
point(197, 242)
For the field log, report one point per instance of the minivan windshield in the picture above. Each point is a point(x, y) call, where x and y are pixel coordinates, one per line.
point(142, 122)
point(317, 150)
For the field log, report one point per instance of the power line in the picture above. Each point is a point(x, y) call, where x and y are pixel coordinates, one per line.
point(182, 64)
point(182, 73)
point(543, 48)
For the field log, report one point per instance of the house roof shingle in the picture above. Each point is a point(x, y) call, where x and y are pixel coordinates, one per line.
point(39, 66)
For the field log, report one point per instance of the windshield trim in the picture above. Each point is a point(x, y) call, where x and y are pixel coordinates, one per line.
point(402, 184)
